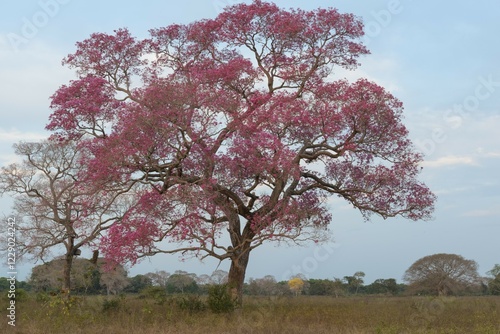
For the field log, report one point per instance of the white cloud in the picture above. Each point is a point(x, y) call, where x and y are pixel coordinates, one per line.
point(450, 160)
point(487, 154)
point(481, 213)
point(12, 136)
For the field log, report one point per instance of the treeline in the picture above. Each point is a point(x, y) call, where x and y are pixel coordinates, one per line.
point(182, 282)
point(94, 278)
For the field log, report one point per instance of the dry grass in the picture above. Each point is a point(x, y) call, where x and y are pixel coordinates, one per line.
point(100, 315)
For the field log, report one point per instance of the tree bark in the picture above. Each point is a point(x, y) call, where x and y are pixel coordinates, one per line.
point(236, 276)
point(68, 263)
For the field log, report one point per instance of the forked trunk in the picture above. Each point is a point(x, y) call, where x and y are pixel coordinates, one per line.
point(236, 276)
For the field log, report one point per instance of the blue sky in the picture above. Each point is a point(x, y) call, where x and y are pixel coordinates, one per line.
point(440, 59)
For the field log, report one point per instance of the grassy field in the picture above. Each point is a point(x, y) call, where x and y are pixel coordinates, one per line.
point(131, 314)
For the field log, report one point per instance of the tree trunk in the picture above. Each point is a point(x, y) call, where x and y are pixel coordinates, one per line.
point(236, 276)
point(68, 263)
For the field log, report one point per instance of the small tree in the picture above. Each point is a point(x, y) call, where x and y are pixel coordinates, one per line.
point(296, 285)
point(355, 282)
point(338, 287)
point(442, 274)
point(182, 282)
point(494, 284)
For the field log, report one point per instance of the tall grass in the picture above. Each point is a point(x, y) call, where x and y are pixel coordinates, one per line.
point(304, 314)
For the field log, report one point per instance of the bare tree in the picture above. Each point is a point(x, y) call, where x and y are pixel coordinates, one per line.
point(159, 278)
point(219, 277)
point(57, 207)
point(442, 274)
point(113, 278)
point(266, 285)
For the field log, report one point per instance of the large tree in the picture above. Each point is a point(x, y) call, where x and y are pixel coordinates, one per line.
point(56, 205)
point(238, 127)
point(442, 274)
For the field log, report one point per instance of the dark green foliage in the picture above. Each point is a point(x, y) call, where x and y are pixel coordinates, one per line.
point(383, 286)
point(494, 286)
point(109, 305)
point(181, 283)
point(157, 293)
point(320, 287)
point(137, 284)
point(86, 277)
point(191, 303)
point(220, 299)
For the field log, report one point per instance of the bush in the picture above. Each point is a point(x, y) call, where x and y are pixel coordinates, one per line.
point(42, 297)
point(18, 295)
point(158, 293)
point(110, 304)
point(191, 303)
point(220, 299)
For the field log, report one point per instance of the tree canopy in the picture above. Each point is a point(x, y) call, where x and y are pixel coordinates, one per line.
point(442, 274)
point(236, 125)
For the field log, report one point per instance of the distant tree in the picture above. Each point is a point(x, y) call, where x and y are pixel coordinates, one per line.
point(266, 286)
point(203, 280)
point(283, 289)
point(219, 277)
point(339, 288)
point(5, 284)
point(494, 283)
point(240, 131)
point(86, 277)
point(383, 286)
point(56, 205)
point(296, 285)
point(182, 282)
point(355, 282)
point(442, 274)
point(113, 277)
point(159, 278)
point(138, 283)
point(320, 287)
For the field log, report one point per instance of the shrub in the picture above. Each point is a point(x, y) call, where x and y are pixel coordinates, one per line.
point(157, 293)
point(220, 299)
point(42, 297)
point(110, 304)
point(191, 303)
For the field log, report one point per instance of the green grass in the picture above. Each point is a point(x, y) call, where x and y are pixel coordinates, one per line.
point(131, 314)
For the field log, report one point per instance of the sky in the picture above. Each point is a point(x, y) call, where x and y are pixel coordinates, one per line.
point(439, 58)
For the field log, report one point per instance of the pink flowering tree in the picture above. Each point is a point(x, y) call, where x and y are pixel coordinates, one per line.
point(235, 128)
